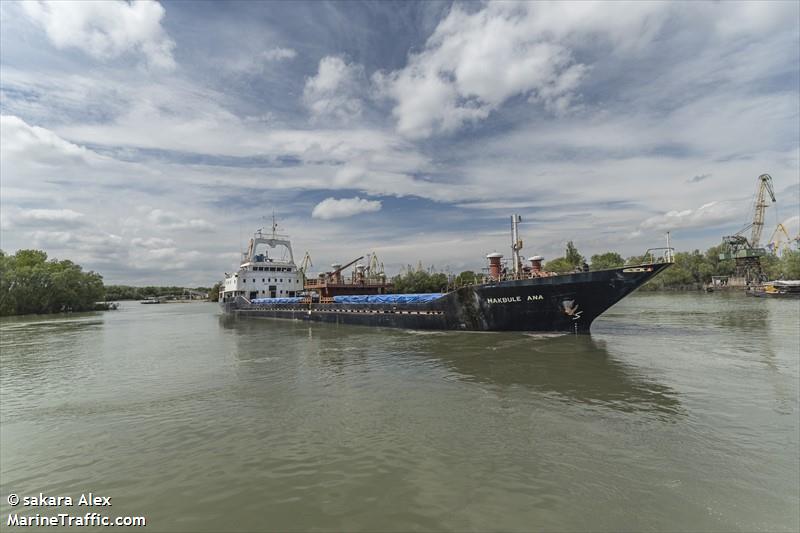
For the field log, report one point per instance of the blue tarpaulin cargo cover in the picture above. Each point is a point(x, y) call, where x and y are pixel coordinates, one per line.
point(388, 298)
point(262, 301)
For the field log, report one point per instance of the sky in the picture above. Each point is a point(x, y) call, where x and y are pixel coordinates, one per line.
point(147, 141)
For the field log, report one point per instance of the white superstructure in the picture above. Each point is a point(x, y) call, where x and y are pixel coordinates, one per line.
point(267, 270)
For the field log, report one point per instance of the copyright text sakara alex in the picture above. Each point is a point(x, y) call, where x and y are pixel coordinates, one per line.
point(87, 499)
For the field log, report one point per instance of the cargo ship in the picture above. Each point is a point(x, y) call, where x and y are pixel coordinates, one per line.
point(512, 295)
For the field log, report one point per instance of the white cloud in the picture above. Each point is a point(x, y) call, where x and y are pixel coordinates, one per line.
point(106, 29)
point(279, 54)
point(35, 144)
point(474, 62)
point(707, 215)
point(51, 215)
point(170, 220)
point(152, 242)
point(335, 91)
point(331, 208)
point(94, 244)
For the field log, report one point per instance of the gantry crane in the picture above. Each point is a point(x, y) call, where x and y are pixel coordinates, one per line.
point(747, 252)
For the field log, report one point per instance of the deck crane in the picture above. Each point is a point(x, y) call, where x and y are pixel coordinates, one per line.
point(336, 275)
point(746, 252)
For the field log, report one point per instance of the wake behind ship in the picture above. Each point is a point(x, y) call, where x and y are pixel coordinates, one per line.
point(510, 297)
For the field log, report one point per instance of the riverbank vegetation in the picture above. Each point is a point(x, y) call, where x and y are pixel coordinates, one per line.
point(29, 283)
point(692, 270)
point(128, 292)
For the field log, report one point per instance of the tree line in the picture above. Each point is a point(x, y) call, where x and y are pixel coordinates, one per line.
point(29, 283)
point(32, 284)
point(128, 292)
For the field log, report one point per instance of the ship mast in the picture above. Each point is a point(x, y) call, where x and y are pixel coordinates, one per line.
point(516, 245)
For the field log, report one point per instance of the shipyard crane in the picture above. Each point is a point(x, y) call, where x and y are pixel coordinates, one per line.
point(764, 187)
point(305, 264)
point(374, 267)
point(746, 252)
point(760, 205)
point(780, 241)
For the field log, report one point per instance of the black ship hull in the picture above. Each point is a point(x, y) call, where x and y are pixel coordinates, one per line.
point(569, 302)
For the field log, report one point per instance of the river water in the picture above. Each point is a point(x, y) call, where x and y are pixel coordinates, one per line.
point(679, 413)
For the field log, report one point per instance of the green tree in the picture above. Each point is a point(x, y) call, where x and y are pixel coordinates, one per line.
point(559, 265)
point(468, 277)
point(772, 266)
point(572, 256)
point(790, 264)
point(720, 267)
point(419, 281)
point(31, 284)
point(606, 261)
point(213, 292)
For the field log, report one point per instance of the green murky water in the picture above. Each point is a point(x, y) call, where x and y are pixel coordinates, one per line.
point(679, 412)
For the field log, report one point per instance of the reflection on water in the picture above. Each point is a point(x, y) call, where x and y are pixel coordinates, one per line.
point(577, 368)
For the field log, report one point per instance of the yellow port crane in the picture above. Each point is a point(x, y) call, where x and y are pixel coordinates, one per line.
point(305, 264)
point(780, 241)
point(747, 253)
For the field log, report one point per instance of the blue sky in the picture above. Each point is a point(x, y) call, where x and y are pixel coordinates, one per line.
point(146, 140)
